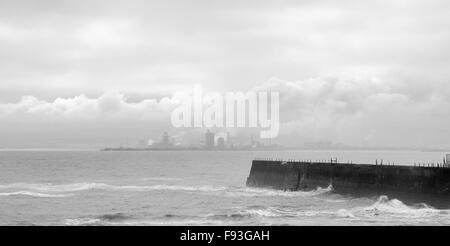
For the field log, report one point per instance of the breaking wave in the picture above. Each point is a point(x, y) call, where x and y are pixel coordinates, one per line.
point(124, 220)
point(257, 192)
point(83, 221)
point(211, 190)
point(33, 194)
point(395, 207)
point(93, 222)
point(101, 186)
point(383, 208)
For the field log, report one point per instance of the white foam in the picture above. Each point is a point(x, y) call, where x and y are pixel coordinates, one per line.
point(205, 188)
point(278, 212)
point(262, 192)
point(345, 213)
point(169, 223)
point(52, 187)
point(260, 212)
point(101, 186)
point(33, 194)
point(294, 212)
point(96, 221)
point(253, 192)
point(82, 221)
point(396, 208)
point(215, 190)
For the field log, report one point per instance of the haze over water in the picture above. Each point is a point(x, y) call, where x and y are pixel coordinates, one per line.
point(187, 188)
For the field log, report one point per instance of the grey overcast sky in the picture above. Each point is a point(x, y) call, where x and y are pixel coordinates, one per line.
point(97, 72)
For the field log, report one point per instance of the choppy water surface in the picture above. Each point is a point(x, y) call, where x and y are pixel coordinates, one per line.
point(187, 188)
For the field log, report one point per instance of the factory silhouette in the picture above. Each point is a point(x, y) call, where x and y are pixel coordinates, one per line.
point(211, 141)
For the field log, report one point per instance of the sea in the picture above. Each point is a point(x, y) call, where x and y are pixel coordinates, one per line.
point(116, 188)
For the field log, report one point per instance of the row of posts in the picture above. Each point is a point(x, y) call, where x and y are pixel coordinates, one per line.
point(437, 165)
point(301, 161)
point(377, 162)
point(381, 163)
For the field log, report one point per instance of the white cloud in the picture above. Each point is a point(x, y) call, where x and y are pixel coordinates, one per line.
point(142, 45)
point(353, 110)
point(111, 104)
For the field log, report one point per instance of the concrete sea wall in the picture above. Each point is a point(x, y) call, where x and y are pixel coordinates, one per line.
point(414, 183)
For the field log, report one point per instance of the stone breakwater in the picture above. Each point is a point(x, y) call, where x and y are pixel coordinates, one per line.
point(427, 184)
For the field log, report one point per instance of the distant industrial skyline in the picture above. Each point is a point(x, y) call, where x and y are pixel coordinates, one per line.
point(214, 141)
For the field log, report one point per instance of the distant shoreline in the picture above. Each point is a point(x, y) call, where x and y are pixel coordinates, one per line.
point(277, 149)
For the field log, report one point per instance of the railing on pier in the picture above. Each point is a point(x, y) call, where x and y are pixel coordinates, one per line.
point(335, 161)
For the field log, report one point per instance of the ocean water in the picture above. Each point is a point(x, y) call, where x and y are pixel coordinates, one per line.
point(187, 188)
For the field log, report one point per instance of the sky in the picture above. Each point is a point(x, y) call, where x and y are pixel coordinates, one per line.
point(96, 73)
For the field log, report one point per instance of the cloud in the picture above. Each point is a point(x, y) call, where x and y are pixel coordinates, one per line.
point(59, 47)
point(83, 122)
point(356, 110)
point(80, 107)
point(361, 111)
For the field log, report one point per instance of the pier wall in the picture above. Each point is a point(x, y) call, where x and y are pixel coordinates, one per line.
point(351, 178)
